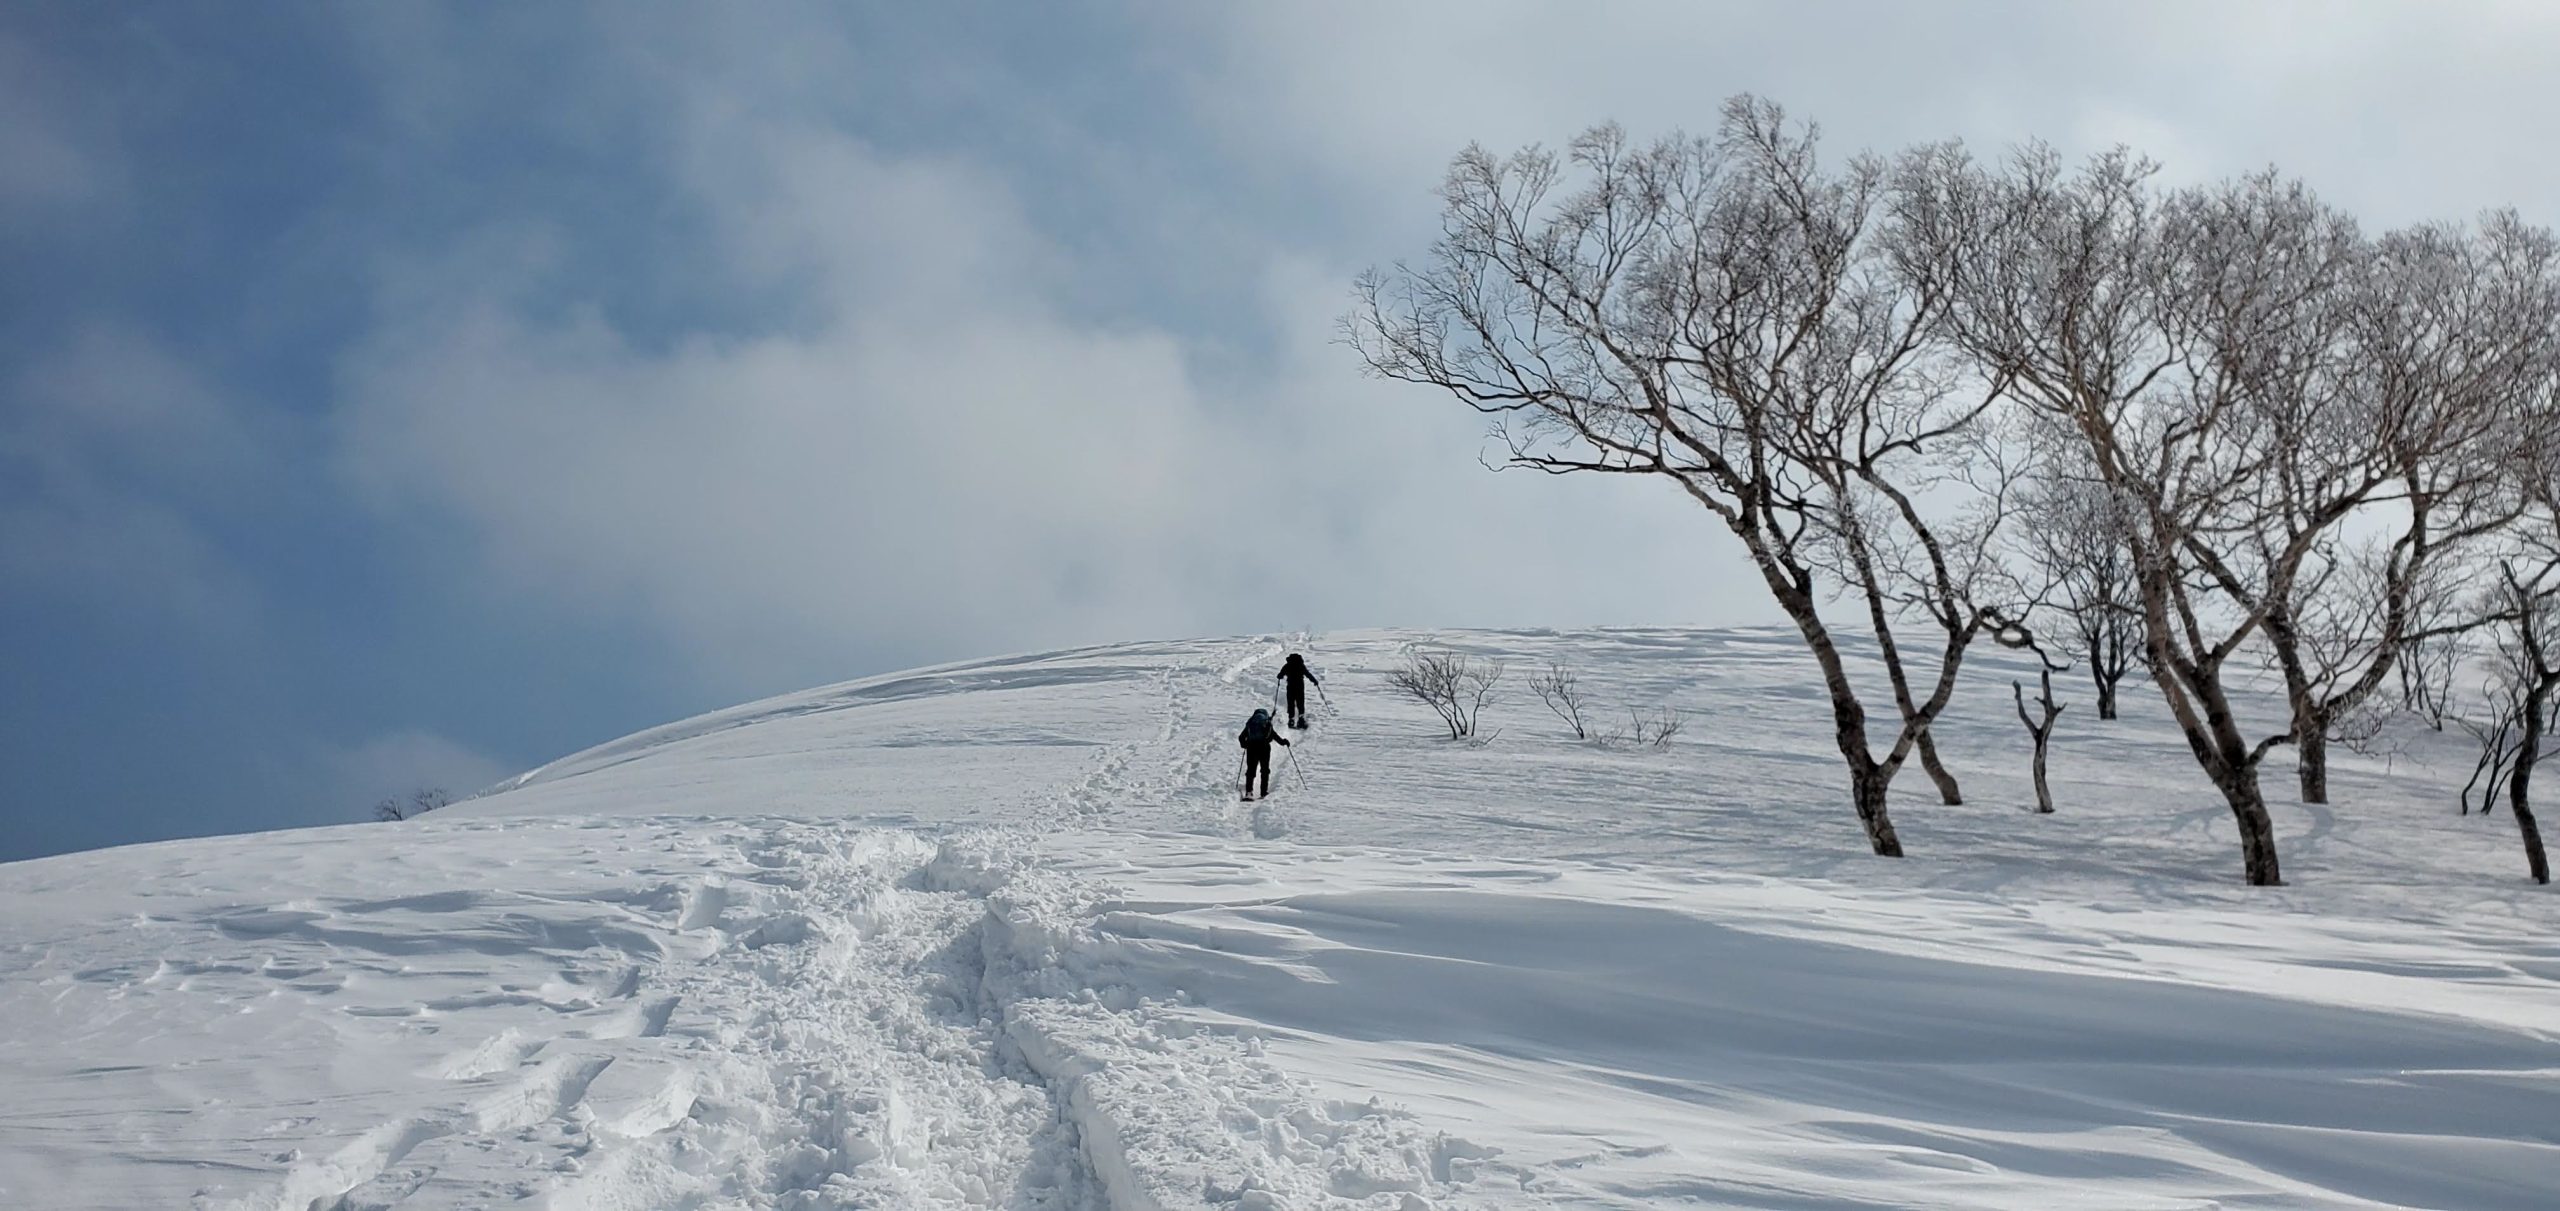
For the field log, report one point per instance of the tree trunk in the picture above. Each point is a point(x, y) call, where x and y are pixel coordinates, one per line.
point(2532, 835)
point(1867, 781)
point(1948, 791)
point(2040, 733)
point(2101, 662)
point(2257, 831)
point(2527, 749)
point(2313, 765)
point(1867, 777)
point(2044, 797)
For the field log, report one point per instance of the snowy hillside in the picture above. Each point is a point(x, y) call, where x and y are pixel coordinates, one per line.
point(1000, 935)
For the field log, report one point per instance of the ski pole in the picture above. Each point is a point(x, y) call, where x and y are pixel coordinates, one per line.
point(1293, 767)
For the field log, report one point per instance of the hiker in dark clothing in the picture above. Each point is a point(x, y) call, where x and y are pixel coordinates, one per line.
point(1294, 671)
point(1257, 738)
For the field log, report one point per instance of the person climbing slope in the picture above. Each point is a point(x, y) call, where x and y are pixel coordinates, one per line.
point(1257, 738)
point(1294, 672)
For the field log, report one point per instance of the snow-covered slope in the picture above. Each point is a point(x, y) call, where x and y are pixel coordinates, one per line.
point(1001, 935)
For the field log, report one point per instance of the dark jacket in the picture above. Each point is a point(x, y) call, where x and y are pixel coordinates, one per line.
point(1297, 674)
point(1259, 734)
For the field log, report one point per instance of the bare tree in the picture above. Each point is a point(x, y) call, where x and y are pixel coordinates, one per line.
point(1557, 687)
point(2039, 726)
point(2427, 671)
point(2535, 676)
point(1718, 313)
point(1655, 729)
point(2247, 380)
point(1454, 686)
point(419, 803)
point(2074, 538)
point(2494, 730)
point(2137, 325)
point(2442, 333)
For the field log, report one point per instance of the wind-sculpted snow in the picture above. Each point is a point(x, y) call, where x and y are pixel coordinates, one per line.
point(1000, 935)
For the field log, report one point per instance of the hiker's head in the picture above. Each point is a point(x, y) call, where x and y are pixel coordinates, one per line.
point(1262, 712)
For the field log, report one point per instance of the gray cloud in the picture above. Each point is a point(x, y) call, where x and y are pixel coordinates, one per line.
point(934, 456)
point(120, 450)
point(929, 457)
point(934, 443)
point(2400, 111)
point(54, 149)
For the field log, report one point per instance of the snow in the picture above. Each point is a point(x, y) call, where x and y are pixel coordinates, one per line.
point(1000, 935)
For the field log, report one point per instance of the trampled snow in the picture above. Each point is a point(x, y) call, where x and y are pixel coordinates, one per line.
point(1001, 935)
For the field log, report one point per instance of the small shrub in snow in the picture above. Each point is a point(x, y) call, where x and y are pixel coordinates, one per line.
point(419, 803)
point(1658, 728)
point(1643, 730)
point(1454, 686)
point(1556, 687)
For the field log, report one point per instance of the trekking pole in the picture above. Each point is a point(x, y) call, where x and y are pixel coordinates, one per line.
point(1244, 774)
point(1293, 767)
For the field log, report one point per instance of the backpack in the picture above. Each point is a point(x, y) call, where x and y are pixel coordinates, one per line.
point(1257, 731)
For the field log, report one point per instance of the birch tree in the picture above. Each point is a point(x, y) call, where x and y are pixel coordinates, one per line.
point(2073, 540)
point(2132, 322)
point(2440, 340)
point(2039, 725)
point(1719, 313)
point(2533, 678)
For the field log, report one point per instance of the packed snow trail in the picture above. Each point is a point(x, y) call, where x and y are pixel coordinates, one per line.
point(998, 935)
point(795, 1014)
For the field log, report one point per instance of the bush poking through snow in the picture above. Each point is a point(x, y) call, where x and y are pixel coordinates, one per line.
point(1658, 728)
point(1556, 687)
point(419, 803)
point(1454, 686)
point(1643, 730)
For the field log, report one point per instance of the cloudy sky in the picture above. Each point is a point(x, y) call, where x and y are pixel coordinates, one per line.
point(395, 394)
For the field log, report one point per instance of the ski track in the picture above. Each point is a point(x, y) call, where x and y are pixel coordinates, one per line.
point(823, 1017)
point(1185, 775)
